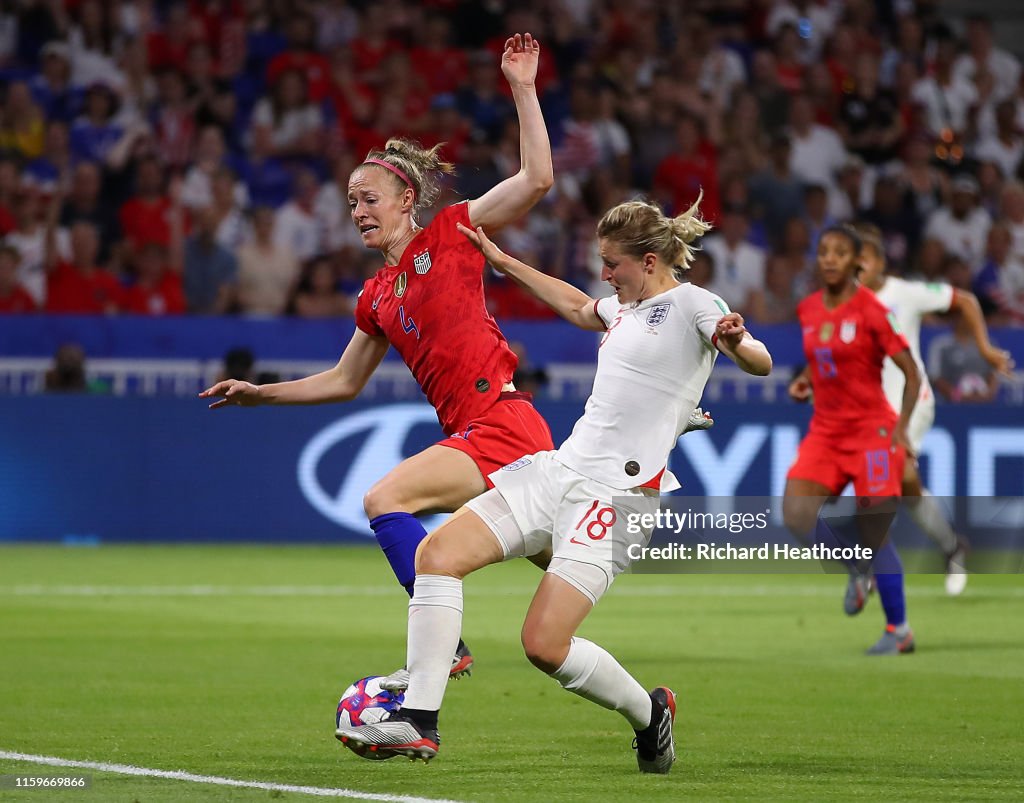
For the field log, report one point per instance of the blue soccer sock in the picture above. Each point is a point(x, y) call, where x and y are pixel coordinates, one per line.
point(398, 535)
point(889, 580)
point(826, 536)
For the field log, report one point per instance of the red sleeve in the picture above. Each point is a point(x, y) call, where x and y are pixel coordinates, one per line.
point(366, 315)
point(460, 255)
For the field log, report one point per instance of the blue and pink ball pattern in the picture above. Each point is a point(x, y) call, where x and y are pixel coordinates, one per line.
point(366, 703)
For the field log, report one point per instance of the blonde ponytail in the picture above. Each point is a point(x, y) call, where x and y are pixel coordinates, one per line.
point(640, 227)
point(420, 165)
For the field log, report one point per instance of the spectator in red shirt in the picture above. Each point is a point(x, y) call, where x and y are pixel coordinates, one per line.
point(374, 42)
point(301, 55)
point(10, 180)
point(442, 66)
point(13, 297)
point(157, 288)
point(692, 167)
point(145, 218)
point(174, 120)
point(81, 286)
point(168, 44)
point(788, 67)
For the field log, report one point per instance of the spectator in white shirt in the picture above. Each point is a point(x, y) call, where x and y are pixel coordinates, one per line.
point(962, 226)
point(336, 231)
point(1012, 204)
point(947, 100)
point(1006, 148)
point(296, 228)
point(209, 156)
point(982, 54)
point(817, 153)
point(739, 266)
point(721, 68)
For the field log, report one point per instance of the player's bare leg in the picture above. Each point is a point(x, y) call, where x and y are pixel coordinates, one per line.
point(930, 517)
point(582, 667)
point(801, 512)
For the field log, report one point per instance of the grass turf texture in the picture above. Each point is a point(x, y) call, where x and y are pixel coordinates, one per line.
point(776, 700)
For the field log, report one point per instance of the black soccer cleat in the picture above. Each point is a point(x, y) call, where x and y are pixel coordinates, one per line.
point(656, 745)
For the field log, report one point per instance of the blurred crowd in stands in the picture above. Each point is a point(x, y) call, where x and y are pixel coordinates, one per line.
point(192, 156)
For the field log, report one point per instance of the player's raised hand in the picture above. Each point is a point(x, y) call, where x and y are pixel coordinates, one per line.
point(999, 359)
point(519, 61)
point(730, 329)
point(233, 391)
point(483, 244)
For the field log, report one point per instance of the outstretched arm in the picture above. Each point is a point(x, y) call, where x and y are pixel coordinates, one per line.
point(736, 343)
point(514, 196)
point(572, 304)
point(343, 382)
point(969, 307)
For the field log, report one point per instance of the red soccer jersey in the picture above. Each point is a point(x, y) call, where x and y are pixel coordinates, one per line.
point(431, 308)
point(166, 298)
point(70, 290)
point(845, 348)
point(146, 222)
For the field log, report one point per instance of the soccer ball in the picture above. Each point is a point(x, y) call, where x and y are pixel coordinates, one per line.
point(365, 702)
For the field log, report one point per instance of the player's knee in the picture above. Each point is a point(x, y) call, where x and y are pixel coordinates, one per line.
point(433, 557)
point(382, 499)
point(544, 651)
point(798, 520)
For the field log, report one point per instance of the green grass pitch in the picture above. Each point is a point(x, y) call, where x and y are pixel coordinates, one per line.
point(229, 661)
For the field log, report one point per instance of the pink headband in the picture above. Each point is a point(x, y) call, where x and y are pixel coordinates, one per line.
point(393, 169)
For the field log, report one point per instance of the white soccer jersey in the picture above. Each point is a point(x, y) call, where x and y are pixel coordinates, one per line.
point(909, 302)
point(652, 366)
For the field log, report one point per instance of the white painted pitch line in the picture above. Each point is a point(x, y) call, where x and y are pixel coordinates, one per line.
point(216, 780)
point(621, 590)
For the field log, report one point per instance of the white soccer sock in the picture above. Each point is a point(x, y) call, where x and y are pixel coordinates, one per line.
point(931, 518)
point(435, 622)
point(592, 673)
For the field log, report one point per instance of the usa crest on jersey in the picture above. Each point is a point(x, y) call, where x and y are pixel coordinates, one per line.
point(421, 262)
point(848, 331)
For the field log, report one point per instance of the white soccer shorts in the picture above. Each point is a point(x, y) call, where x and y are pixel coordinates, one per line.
point(537, 502)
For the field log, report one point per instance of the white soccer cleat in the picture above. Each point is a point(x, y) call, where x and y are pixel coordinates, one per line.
point(956, 569)
point(395, 736)
point(699, 420)
point(462, 666)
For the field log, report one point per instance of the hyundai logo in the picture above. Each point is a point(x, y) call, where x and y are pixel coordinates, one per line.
point(388, 429)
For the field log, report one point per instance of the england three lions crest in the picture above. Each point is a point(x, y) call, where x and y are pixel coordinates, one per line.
point(421, 262)
point(658, 314)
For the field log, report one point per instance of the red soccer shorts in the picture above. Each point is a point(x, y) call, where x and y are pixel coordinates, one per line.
point(867, 459)
point(510, 429)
